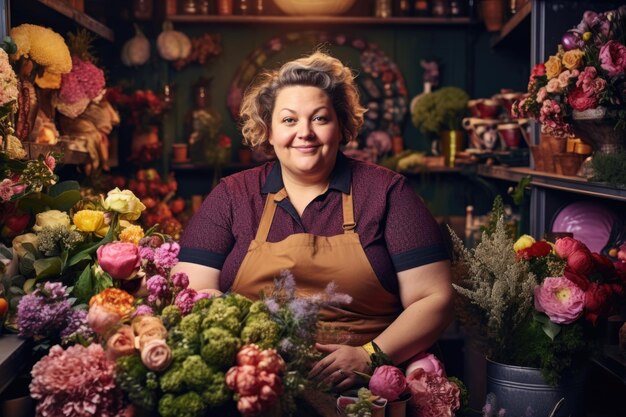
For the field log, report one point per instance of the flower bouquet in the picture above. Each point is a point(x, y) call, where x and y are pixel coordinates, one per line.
point(439, 111)
point(533, 303)
point(587, 74)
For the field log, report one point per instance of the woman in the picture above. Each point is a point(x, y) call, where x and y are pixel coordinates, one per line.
point(326, 218)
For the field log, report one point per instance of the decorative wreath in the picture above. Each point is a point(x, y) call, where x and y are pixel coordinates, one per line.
point(381, 84)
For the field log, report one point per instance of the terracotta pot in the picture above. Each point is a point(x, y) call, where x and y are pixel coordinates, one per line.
point(493, 14)
point(180, 152)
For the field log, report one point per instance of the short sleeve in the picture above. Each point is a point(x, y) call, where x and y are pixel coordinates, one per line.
point(412, 234)
point(208, 237)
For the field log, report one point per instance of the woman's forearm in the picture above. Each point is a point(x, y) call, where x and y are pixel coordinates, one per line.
point(200, 277)
point(417, 328)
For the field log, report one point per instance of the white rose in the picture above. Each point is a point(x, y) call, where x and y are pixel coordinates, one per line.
point(51, 218)
point(125, 203)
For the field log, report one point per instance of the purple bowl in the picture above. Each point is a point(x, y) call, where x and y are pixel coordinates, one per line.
point(589, 222)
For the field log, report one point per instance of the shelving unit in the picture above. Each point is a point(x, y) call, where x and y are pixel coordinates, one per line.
point(325, 20)
point(14, 355)
point(81, 18)
point(518, 26)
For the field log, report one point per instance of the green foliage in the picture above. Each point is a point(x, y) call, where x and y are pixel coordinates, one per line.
point(219, 347)
point(497, 212)
point(134, 378)
point(610, 168)
point(441, 110)
point(189, 404)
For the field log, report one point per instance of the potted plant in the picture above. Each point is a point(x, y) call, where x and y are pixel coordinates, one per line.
point(535, 309)
point(439, 115)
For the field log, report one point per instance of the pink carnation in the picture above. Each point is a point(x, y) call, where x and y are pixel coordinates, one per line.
point(560, 299)
point(79, 381)
point(613, 58)
point(433, 395)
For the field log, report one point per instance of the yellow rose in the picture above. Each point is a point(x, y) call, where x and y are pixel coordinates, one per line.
point(553, 66)
point(89, 220)
point(18, 243)
point(573, 59)
point(125, 203)
point(132, 234)
point(525, 241)
point(51, 218)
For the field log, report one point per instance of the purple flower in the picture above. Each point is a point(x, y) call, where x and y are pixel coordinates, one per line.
point(166, 255)
point(158, 287)
point(143, 310)
point(44, 312)
point(146, 253)
point(180, 280)
point(272, 305)
point(77, 327)
point(185, 300)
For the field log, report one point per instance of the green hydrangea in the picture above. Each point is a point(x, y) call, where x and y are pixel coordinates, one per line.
point(219, 347)
point(217, 392)
point(171, 316)
point(173, 379)
point(189, 404)
point(260, 329)
point(223, 314)
point(239, 301)
point(202, 306)
point(189, 327)
point(137, 381)
point(196, 373)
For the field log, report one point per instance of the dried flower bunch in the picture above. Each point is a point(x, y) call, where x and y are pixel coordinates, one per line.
point(533, 303)
point(587, 72)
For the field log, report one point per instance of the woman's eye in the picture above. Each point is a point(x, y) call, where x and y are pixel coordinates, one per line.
point(320, 118)
point(289, 120)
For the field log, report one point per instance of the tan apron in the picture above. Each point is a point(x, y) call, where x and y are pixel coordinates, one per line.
point(315, 262)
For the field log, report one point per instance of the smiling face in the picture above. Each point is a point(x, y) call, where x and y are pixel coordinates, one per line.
point(305, 132)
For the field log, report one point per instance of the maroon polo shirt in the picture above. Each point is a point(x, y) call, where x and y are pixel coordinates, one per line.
point(396, 229)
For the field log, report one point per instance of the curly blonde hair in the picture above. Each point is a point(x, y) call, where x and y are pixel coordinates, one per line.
point(316, 70)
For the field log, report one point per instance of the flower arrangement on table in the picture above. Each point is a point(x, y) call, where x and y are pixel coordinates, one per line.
point(534, 303)
point(587, 72)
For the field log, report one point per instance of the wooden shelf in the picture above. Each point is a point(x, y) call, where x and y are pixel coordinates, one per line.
point(325, 20)
point(81, 18)
point(518, 24)
point(552, 181)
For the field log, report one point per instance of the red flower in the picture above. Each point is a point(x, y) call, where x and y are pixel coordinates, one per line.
point(581, 261)
point(580, 280)
point(537, 71)
point(581, 100)
point(603, 265)
point(597, 299)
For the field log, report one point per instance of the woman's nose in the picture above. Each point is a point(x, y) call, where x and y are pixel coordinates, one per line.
point(305, 132)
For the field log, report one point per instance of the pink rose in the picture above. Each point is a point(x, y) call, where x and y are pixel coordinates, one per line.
point(102, 319)
point(580, 261)
point(565, 246)
point(621, 254)
point(613, 58)
point(119, 259)
point(387, 382)
point(581, 100)
point(156, 355)
point(122, 343)
point(560, 299)
point(428, 362)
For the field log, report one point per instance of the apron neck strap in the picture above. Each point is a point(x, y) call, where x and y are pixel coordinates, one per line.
point(270, 208)
point(348, 212)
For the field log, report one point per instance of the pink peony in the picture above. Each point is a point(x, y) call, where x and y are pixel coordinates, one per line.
point(102, 319)
point(428, 362)
point(433, 395)
point(581, 261)
point(79, 381)
point(119, 259)
point(270, 361)
point(560, 299)
point(387, 382)
point(613, 58)
point(121, 343)
point(565, 246)
point(249, 405)
point(156, 355)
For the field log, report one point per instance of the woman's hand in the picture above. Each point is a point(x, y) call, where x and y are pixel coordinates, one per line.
point(336, 368)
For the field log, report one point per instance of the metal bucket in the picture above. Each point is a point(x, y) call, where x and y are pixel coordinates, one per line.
point(518, 388)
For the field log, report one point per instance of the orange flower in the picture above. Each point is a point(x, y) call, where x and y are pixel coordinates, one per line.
point(115, 300)
point(132, 234)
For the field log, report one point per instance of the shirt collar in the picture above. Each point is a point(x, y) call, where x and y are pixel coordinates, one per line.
point(340, 178)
